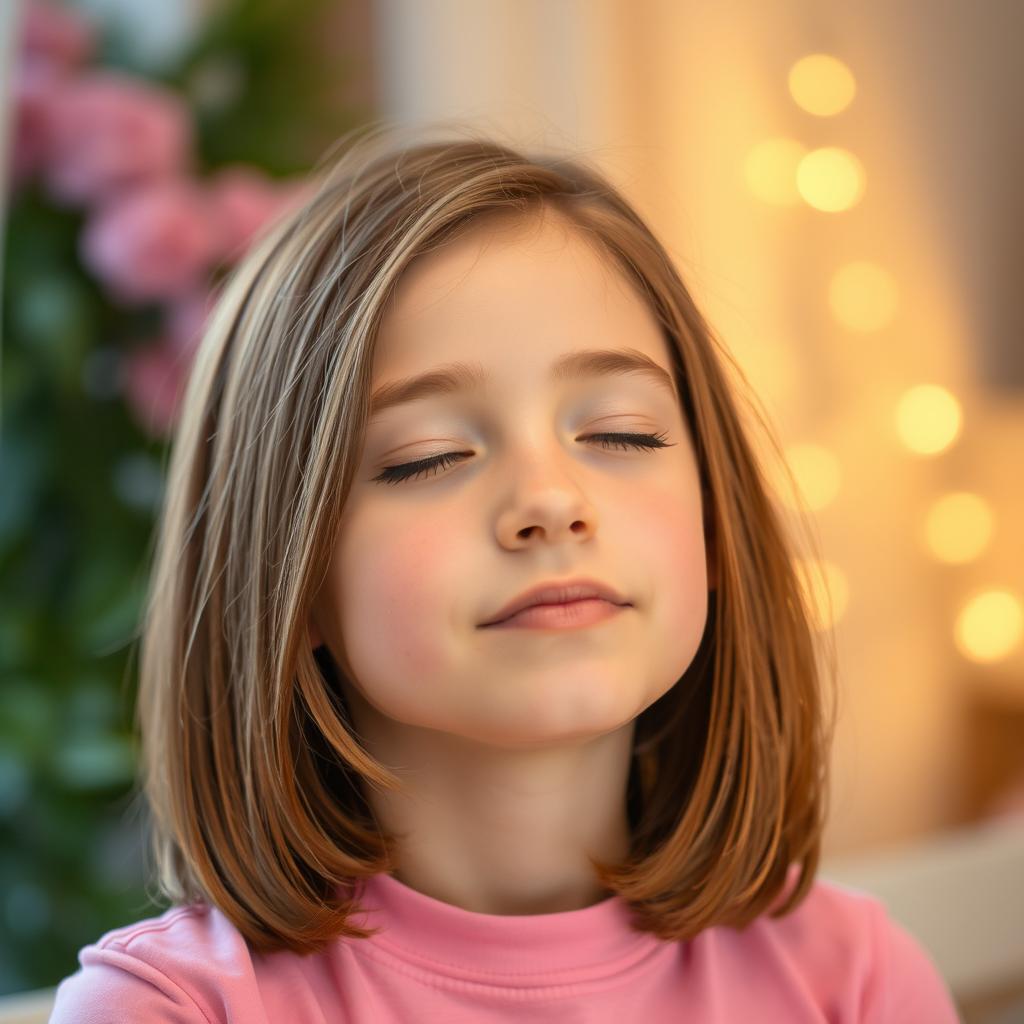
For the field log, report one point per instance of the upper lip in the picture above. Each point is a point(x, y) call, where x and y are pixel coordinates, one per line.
point(557, 592)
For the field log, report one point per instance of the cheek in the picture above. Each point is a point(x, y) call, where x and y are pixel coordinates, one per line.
point(395, 585)
point(669, 540)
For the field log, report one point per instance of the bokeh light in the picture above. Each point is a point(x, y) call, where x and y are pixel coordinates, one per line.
point(817, 473)
point(771, 365)
point(958, 527)
point(830, 179)
point(821, 84)
point(928, 419)
point(990, 626)
point(826, 590)
point(863, 296)
point(770, 170)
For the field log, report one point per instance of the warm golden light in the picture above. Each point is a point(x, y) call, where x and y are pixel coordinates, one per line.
point(770, 171)
point(863, 296)
point(821, 84)
point(830, 179)
point(928, 419)
point(816, 471)
point(769, 364)
point(958, 527)
point(990, 626)
point(825, 588)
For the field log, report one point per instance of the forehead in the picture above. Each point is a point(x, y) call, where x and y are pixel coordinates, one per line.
point(509, 289)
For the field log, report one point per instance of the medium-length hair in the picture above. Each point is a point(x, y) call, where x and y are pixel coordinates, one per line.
point(254, 778)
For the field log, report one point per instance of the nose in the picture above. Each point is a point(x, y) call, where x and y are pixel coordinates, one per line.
point(551, 513)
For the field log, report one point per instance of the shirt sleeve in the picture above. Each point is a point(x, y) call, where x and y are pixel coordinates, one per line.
point(113, 987)
point(907, 985)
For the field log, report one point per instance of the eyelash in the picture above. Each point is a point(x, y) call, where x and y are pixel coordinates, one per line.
point(408, 470)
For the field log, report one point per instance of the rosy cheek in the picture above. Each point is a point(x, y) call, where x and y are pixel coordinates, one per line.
point(395, 592)
point(670, 527)
point(407, 569)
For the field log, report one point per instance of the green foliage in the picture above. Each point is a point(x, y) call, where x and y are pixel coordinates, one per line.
point(80, 485)
point(255, 57)
point(71, 554)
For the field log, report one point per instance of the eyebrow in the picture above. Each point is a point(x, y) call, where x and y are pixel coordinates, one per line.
point(455, 378)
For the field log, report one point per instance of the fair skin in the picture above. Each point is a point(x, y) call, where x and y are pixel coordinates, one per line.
point(514, 744)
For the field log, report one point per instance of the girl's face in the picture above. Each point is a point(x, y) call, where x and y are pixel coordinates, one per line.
point(420, 564)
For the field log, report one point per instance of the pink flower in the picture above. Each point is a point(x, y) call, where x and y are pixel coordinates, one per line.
point(56, 36)
point(108, 131)
point(54, 42)
point(245, 200)
point(186, 321)
point(242, 199)
point(32, 89)
point(153, 379)
point(156, 242)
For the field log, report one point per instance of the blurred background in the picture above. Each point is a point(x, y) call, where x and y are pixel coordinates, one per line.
point(840, 186)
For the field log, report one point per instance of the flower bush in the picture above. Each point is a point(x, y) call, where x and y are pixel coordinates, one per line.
point(130, 194)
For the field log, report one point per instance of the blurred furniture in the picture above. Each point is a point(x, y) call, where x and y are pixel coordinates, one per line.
point(961, 894)
point(994, 759)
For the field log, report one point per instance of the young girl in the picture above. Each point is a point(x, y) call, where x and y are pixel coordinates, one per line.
point(477, 683)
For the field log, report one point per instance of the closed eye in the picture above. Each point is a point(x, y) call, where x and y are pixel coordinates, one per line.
point(409, 470)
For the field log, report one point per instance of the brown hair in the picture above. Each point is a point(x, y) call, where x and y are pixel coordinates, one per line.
point(254, 780)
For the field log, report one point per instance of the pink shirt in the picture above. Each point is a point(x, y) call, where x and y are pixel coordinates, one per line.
point(838, 958)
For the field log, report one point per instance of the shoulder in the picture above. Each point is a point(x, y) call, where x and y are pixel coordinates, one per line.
point(846, 948)
point(185, 966)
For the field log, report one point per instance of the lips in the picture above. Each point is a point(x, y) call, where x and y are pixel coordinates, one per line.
point(557, 592)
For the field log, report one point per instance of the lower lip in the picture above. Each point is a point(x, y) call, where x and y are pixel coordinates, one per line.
point(572, 615)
